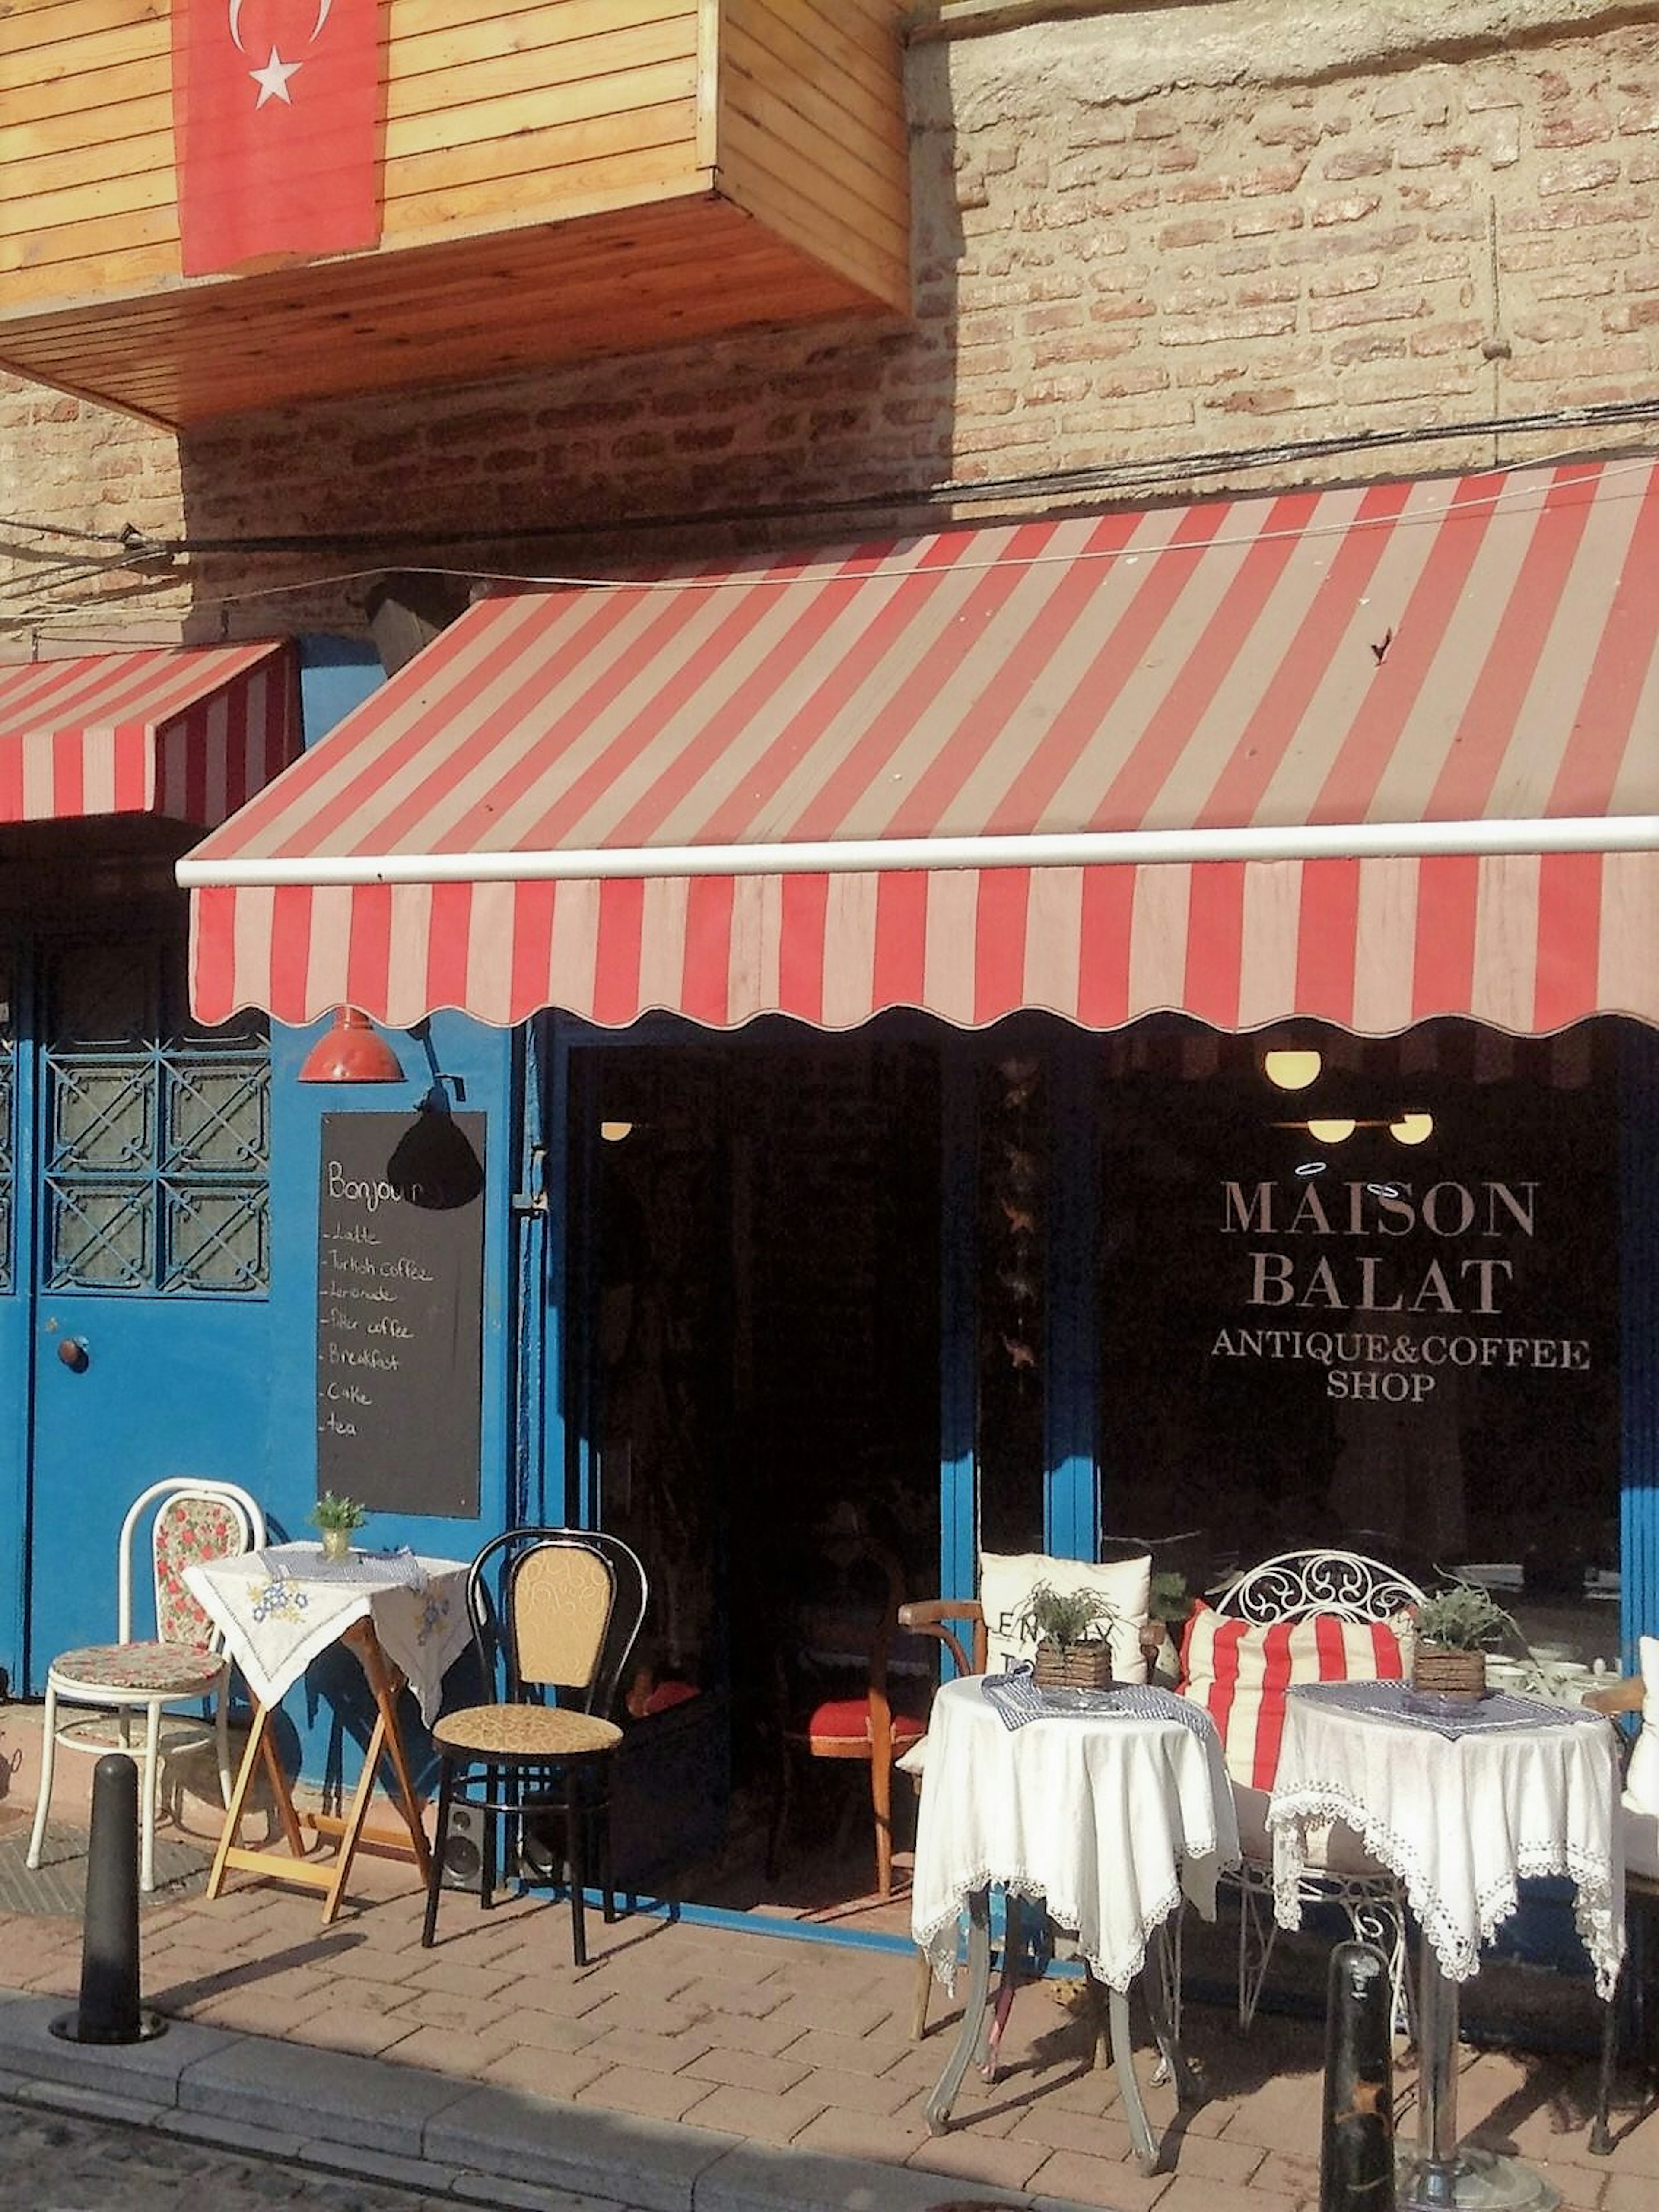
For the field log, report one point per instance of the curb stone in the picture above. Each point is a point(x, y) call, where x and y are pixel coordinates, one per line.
point(336, 2112)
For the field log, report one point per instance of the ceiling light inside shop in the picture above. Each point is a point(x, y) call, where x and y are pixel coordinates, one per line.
point(1331, 1132)
point(1291, 1069)
point(1412, 1128)
point(615, 1133)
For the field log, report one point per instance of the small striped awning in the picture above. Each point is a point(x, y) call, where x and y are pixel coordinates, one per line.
point(187, 733)
point(1371, 755)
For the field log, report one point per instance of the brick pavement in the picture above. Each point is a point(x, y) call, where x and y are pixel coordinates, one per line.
point(778, 2043)
point(679, 2045)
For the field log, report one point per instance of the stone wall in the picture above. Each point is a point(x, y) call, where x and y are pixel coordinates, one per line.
point(1159, 252)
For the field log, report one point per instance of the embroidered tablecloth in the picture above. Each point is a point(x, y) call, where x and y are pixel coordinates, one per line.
point(279, 1611)
point(1111, 1818)
point(1460, 1819)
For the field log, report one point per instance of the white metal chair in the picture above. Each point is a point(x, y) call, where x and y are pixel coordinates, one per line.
point(1294, 1591)
point(191, 1519)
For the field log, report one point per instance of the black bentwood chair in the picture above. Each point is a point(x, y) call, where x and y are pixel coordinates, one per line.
point(554, 1613)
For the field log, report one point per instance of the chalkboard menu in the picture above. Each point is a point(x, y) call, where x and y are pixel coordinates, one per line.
point(399, 1310)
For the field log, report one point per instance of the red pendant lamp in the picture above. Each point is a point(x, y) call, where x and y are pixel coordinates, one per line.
point(351, 1051)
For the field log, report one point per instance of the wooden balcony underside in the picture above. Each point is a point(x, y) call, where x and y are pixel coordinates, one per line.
point(558, 180)
point(610, 284)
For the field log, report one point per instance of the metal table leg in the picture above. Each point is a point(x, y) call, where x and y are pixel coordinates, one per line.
point(982, 2029)
point(937, 2110)
point(1161, 1981)
point(1146, 2144)
point(1439, 2176)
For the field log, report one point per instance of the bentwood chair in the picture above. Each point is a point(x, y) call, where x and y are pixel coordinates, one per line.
point(109, 1685)
point(555, 1614)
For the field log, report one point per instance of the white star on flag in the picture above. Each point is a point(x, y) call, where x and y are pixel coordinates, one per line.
point(272, 79)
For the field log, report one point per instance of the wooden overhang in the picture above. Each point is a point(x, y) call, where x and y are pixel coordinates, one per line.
point(560, 179)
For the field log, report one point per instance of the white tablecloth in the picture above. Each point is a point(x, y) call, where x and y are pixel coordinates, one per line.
point(1111, 1818)
point(276, 1621)
point(1459, 1820)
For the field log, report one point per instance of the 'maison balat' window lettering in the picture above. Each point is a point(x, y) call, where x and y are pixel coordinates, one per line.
point(1376, 1282)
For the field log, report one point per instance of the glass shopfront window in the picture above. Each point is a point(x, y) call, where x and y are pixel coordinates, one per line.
point(1381, 1312)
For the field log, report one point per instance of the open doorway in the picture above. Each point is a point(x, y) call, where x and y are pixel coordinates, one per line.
point(756, 1249)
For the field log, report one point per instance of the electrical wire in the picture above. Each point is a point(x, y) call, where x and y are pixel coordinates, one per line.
point(64, 530)
point(1119, 475)
point(1115, 476)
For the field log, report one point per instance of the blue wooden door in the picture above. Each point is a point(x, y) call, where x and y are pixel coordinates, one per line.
point(140, 1221)
point(16, 1332)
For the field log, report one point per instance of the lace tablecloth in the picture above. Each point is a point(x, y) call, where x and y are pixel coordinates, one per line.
point(1111, 1819)
point(281, 1608)
point(1460, 1818)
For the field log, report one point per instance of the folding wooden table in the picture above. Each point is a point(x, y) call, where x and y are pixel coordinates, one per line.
point(403, 1618)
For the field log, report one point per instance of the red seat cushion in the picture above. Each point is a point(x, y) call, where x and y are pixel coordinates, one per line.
point(667, 1695)
point(847, 1720)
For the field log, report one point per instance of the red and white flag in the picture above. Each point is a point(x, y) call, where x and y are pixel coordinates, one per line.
point(276, 108)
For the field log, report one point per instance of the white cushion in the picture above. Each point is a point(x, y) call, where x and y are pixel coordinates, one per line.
point(1641, 1826)
point(1332, 1849)
point(1641, 1776)
point(1006, 1580)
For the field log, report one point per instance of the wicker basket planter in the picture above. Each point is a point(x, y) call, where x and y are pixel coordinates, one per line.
point(1437, 1672)
point(1086, 1665)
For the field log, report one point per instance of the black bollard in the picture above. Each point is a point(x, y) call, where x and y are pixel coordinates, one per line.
point(1356, 2150)
point(110, 2011)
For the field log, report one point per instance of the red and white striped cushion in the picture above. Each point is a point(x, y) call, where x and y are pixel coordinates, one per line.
point(1239, 1671)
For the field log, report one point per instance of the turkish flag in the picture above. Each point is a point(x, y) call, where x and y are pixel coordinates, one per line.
point(276, 109)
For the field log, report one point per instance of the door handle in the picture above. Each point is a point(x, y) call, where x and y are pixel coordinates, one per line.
point(72, 1351)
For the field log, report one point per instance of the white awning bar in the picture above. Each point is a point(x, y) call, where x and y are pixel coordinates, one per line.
point(1349, 840)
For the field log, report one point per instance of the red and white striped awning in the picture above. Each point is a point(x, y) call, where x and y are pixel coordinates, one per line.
point(1368, 755)
point(190, 732)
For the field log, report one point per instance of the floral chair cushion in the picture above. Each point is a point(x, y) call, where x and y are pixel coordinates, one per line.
point(188, 1529)
point(144, 1668)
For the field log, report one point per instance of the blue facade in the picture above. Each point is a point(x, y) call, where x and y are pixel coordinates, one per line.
point(226, 1384)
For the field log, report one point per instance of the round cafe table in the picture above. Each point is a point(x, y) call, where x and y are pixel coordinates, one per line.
point(1461, 1803)
point(1109, 1806)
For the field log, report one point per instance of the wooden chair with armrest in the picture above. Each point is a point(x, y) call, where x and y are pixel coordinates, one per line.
point(1638, 1812)
point(860, 1717)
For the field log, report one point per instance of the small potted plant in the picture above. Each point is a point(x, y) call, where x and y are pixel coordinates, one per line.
point(1068, 1656)
point(1454, 1627)
point(339, 1519)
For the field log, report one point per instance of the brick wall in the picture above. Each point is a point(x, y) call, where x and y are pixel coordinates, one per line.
point(1143, 242)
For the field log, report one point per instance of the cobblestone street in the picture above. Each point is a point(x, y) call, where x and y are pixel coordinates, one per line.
point(60, 2162)
point(67, 2162)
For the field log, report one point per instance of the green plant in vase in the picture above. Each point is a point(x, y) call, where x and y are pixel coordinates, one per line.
point(1059, 1623)
point(339, 1520)
point(1454, 1627)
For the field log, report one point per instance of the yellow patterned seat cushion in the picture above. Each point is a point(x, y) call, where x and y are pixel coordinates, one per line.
point(530, 1732)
